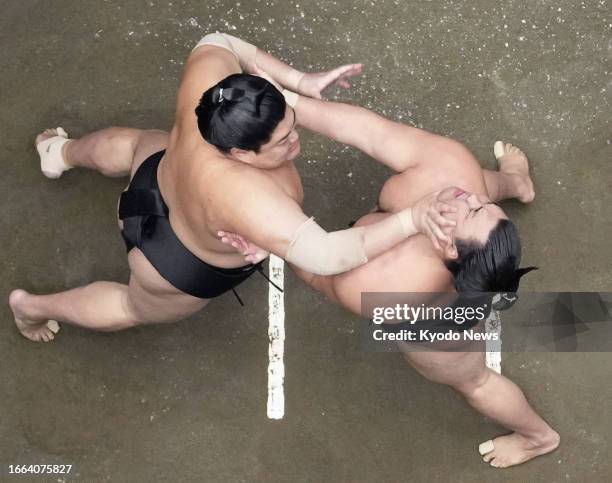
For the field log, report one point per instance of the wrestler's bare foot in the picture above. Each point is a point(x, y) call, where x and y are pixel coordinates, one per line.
point(514, 449)
point(30, 328)
point(514, 162)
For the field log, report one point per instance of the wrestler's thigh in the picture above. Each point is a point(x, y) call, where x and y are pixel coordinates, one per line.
point(149, 142)
point(152, 298)
point(451, 368)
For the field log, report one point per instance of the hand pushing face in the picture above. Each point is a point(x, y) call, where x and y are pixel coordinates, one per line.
point(476, 215)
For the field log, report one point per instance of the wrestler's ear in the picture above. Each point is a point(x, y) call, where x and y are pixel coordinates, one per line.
point(450, 251)
point(243, 155)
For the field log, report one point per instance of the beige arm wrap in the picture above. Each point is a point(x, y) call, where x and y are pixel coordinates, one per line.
point(322, 253)
point(243, 51)
point(291, 97)
point(407, 222)
point(245, 54)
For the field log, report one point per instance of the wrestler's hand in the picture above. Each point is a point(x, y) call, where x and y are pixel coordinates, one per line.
point(252, 253)
point(313, 84)
point(428, 218)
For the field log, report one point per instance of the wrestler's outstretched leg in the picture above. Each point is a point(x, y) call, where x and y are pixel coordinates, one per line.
point(109, 151)
point(107, 306)
point(494, 396)
point(512, 180)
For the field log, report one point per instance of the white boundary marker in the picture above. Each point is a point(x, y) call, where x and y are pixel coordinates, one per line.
point(493, 356)
point(276, 335)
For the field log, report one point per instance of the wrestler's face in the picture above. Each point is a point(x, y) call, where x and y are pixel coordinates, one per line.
point(476, 216)
point(284, 144)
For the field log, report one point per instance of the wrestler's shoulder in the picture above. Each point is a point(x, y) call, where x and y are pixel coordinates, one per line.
point(222, 176)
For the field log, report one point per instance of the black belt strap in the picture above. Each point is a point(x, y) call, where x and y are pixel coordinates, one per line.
point(141, 202)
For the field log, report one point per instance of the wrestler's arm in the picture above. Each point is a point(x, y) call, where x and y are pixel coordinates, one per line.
point(215, 57)
point(382, 139)
point(219, 55)
point(254, 60)
point(375, 135)
point(266, 216)
point(248, 56)
point(205, 67)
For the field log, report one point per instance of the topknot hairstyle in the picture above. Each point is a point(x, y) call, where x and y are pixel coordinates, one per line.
point(242, 111)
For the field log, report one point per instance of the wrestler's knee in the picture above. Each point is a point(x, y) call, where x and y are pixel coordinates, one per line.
point(433, 375)
point(470, 386)
point(116, 149)
point(454, 151)
point(464, 373)
point(422, 363)
point(151, 140)
point(133, 316)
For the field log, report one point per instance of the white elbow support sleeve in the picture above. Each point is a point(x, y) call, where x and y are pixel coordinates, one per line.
point(322, 253)
point(243, 51)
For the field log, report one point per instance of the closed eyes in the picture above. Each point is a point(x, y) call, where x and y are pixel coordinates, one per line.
point(478, 209)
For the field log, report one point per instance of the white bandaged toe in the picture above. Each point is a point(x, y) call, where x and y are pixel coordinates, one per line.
point(486, 447)
point(52, 162)
point(498, 149)
point(53, 326)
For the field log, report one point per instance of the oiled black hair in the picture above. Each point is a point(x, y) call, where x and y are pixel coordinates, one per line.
point(242, 111)
point(492, 267)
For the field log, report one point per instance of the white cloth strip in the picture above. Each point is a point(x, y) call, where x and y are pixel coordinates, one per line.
point(276, 335)
point(493, 356)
